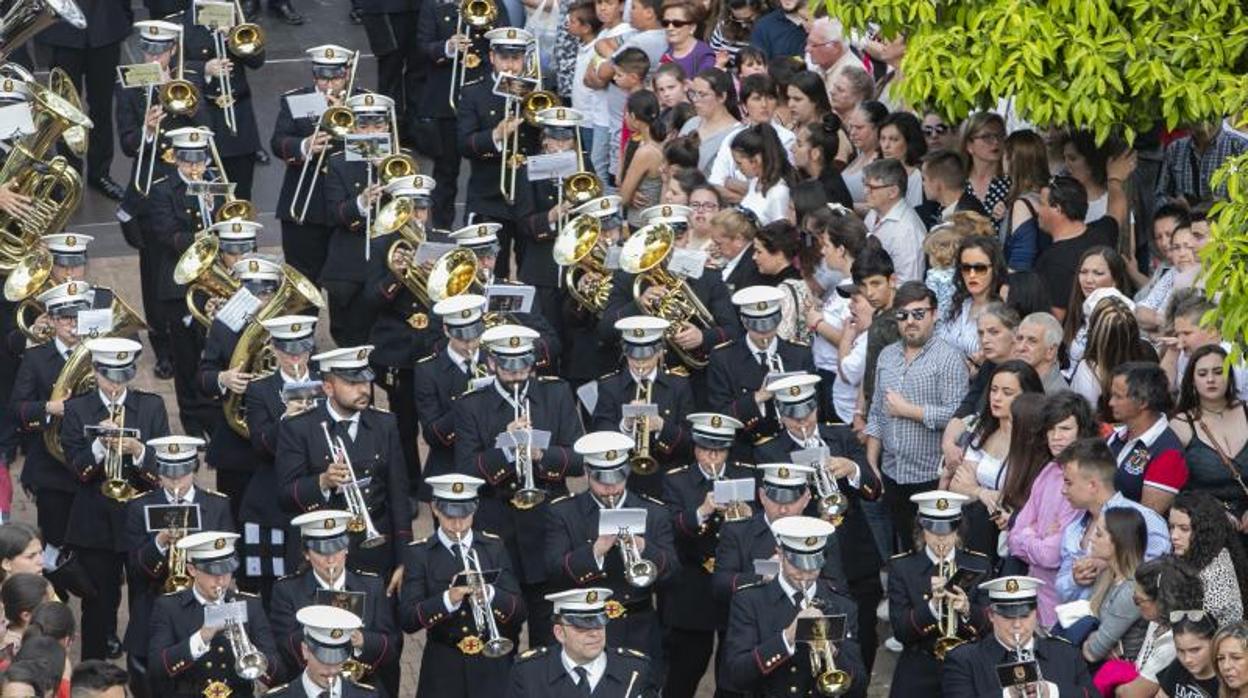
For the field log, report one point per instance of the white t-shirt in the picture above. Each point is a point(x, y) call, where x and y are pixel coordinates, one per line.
point(835, 313)
point(845, 389)
point(587, 100)
point(772, 206)
point(654, 43)
point(724, 167)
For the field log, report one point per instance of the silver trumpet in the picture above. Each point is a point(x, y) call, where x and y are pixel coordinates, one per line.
point(832, 502)
point(495, 644)
point(249, 662)
point(529, 495)
point(361, 520)
point(639, 571)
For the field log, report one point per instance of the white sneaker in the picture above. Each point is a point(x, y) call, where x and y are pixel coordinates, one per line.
point(892, 645)
point(881, 611)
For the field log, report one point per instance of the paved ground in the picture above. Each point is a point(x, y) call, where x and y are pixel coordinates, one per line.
point(115, 265)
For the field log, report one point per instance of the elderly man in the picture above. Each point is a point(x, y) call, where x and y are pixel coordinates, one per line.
point(892, 220)
point(827, 50)
point(1038, 340)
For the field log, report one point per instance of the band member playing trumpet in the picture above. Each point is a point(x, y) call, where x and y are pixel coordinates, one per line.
point(691, 616)
point(460, 589)
point(115, 459)
point(843, 482)
point(663, 439)
point(762, 651)
point(376, 646)
point(299, 142)
point(292, 339)
point(578, 552)
point(326, 645)
point(495, 425)
point(346, 454)
point(1036, 664)
point(581, 664)
point(196, 653)
point(151, 568)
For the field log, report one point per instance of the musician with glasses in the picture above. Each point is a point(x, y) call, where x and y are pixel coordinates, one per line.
point(921, 583)
point(305, 234)
point(324, 579)
point(96, 522)
point(581, 664)
point(195, 653)
point(326, 645)
point(579, 553)
point(691, 615)
point(763, 652)
point(496, 426)
point(466, 654)
point(346, 451)
point(1033, 662)
point(148, 567)
point(644, 380)
point(291, 389)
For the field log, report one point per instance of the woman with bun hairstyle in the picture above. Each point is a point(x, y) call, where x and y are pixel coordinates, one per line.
point(761, 159)
point(642, 183)
point(816, 153)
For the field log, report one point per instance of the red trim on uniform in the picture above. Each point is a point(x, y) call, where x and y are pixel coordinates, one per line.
point(385, 647)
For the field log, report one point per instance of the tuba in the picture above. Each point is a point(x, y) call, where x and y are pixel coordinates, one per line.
point(577, 248)
point(26, 18)
point(645, 254)
point(31, 276)
point(78, 377)
point(252, 351)
point(200, 270)
point(76, 137)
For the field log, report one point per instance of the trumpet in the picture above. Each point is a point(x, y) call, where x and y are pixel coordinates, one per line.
point(832, 502)
point(736, 510)
point(482, 615)
point(642, 462)
point(639, 571)
point(249, 662)
point(178, 579)
point(529, 495)
point(948, 616)
point(479, 15)
point(177, 96)
point(115, 486)
point(361, 520)
point(829, 680)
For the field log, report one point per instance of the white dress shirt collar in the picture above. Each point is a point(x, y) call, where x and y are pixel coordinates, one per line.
point(595, 668)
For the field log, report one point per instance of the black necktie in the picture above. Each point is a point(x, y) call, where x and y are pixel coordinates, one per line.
point(323, 694)
point(762, 358)
point(582, 681)
point(798, 598)
point(342, 428)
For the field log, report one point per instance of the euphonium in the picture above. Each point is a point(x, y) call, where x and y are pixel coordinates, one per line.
point(26, 18)
point(638, 571)
point(642, 462)
point(29, 278)
point(948, 617)
point(200, 270)
point(645, 254)
point(252, 352)
point(829, 680)
point(576, 247)
point(453, 273)
point(77, 138)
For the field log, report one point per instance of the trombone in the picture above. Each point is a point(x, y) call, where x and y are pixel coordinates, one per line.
point(242, 40)
point(337, 121)
point(829, 680)
point(177, 96)
point(642, 462)
point(479, 15)
point(529, 495)
point(528, 106)
point(361, 520)
point(495, 645)
point(233, 207)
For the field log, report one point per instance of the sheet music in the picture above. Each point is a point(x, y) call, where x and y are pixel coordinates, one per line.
point(16, 120)
point(240, 308)
point(217, 615)
point(307, 106)
point(610, 521)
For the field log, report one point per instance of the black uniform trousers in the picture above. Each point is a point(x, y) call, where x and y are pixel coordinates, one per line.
point(186, 343)
point(306, 245)
point(902, 510)
point(688, 653)
point(99, 614)
point(241, 169)
point(97, 69)
point(157, 327)
point(446, 164)
point(400, 71)
point(399, 385)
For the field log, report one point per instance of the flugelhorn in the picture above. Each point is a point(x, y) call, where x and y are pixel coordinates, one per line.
point(645, 254)
point(361, 520)
point(473, 14)
point(641, 462)
point(832, 502)
point(177, 579)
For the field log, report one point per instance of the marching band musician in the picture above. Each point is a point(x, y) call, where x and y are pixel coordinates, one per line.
point(148, 565)
point(325, 579)
point(171, 220)
point(739, 368)
point(581, 664)
point(230, 453)
point(311, 476)
point(398, 334)
point(586, 357)
point(645, 381)
point(443, 376)
point(481, 135)
point(920, 582)
point(1037, 664)
point(326, 645)
point(762, 623)
point(191, 655)
point(305, 242)
point(435, 127)
point(96, 526)
point(796, 400)
point(490, 441)
point(579, 553)
point(68, 252)
point(348, 196)
point(237, 146)
point(691, 616)
point(466, 654)
point(292, 338)
point(782, 492)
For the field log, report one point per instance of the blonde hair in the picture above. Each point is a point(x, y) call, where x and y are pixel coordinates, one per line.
point(941, 245)
point(735, 224)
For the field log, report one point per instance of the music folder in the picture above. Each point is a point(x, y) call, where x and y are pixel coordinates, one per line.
point(1011, 674)
point(815, 628)
point(740, 490)
point(163, 517)
point(352, 601)
point(612, 521)
point(463, 579)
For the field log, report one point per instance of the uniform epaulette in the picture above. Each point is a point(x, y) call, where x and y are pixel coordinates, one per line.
point(365, 573)
point(749, 585)
point(747, 466)
point(549, 379)
point(247, 594)
point(431, 357)
point(764, 439)
point(160, 179)
point(171, 593)
point(605, 376)
point(652, 500)
point(422, 541)
point(976, 553)
point(292, 575)
point(379, 409)
point(214, 493)
point(487, 534)
point(275, 689)
point(723, 344)
point(562, 497)
point(677, 371)
point(677, 469)
point(532, 653)
point(904, 553)
point(360, 684)
point(629, 652)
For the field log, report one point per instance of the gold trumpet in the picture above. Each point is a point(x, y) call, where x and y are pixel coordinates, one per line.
point(116, 487)
point(473, 14)
point(948, 616)
point(177, 579)
point(829, 680)
point(200, 270)
point(641, 461)
point(645, 254)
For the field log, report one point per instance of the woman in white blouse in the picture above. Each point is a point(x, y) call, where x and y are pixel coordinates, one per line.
point(979, 273)
point(761, 158)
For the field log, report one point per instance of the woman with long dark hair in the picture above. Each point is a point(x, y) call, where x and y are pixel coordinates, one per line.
point(1099, 267)
point(761, 159)
point(1192, 673)
point(816, 154)
point(979, 274)
point(642, 183)
point(777, 252)
point(1203, 537)
point(1026, 163)
point(808, 100)
point(1212, 425)
point(714, 99)
point(21, 549)
point(1165, 588)
point(21, 594)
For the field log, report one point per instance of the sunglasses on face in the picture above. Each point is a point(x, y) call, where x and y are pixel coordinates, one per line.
point(917, 314)
point(670, 23)
point(975, 268)
point(937, 130)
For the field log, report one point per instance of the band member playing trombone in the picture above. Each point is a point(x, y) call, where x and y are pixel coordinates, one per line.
point(153, 568)
point(763, 653)
point(301, 142)
point(291, 389)
point(661, 439)
point(325, 579)
point(102, 435)
point(459, 589)
point(495, 429)
point(193, 651)
point(581, 664)
point(631, 563)
point(930, 612)
point(691, 616)
point(346, 454)
point(1034, 663)
point(326, 645)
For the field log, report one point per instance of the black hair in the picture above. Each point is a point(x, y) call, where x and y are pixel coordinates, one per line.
point(1189, 400)
point(758, 84)
point(913, 292)
point(761, 140)
point(633, 61)
point(1067, 403)
point(991, 247)
point(1069, 196)
point(1028, 382)
point(15, 537)
point(1117, 267)
point(22, 593)
point(721, 85)
point(1093, 456)
point(1028, 293)
point(30, 673)
point(911, 130)
point(1172, 584)
point(1084, 143)
point(586, 13)
point(655, 6)
point(811, 85)
point(644, 106)
point(47, 655)
point(689, 179)
point(752, 54)
point(808, 197)
point(873, 260)
point(674, 118)
point(1212, 533)
point(1147, 384)
point(51, 619)
point(843, 229)
point(681, 152)
point(96, 675)
point(876, 112)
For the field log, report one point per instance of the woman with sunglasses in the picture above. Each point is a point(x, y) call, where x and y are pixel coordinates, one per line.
point(714, 100)
point(982, 147)
point(1203, 537)
point(1230, 652)
point(980, 273)
point(938, 133)
point(680, 20)
point(1192, 672)
point(1212, 424)
point(732, 30)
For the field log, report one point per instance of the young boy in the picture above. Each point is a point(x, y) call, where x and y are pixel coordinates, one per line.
point(584, 25)
point(631, 67)
point(611, 14)
point(874, 275)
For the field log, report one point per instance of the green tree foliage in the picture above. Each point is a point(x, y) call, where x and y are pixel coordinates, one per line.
point(1225, 257)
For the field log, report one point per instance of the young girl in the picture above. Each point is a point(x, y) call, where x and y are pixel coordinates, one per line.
point(1192, 671)
point(761, 159)
point(642, 183)
point(941, 248)
point(583, 25)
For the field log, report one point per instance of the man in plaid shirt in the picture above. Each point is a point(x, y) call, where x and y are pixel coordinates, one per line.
point(919, 382)
point(1191, 161)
